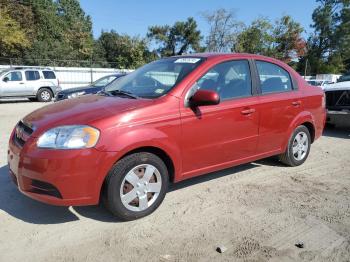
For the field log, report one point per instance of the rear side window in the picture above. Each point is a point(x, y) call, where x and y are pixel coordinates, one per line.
point(229, 79)
point(273, 78)
point(49, 75)
point(32, 75)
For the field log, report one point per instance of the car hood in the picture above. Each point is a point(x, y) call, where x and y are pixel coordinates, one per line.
point(337, 86)
point(81, 111)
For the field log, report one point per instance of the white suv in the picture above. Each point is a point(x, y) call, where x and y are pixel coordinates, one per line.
point(34, 83)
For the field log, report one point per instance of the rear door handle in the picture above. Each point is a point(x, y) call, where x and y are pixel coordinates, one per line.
point(248, 111)
point(296, 103)
point(21, 83)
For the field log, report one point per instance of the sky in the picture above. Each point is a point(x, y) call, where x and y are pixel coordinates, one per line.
point(134, 17)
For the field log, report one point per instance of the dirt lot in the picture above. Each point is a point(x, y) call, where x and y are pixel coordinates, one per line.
point(258, 211)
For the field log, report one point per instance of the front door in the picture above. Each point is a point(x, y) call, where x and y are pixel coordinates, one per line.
point(12, 84)
point(223, 133)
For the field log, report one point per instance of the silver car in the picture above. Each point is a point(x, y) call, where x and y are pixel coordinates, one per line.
point(34, 83)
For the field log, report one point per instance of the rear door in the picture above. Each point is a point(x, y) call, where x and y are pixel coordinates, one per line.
point(279, 103)
point(219, 134)
point(12, 84)
point(32, 82)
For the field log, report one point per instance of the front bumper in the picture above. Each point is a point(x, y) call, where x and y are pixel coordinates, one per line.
point(338, 117)
point(59, 177)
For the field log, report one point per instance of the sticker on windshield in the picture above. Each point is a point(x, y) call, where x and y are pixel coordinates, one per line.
point(159, 91)
point(188, 60)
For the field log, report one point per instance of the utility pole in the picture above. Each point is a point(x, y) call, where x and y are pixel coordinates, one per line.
point(307, 60)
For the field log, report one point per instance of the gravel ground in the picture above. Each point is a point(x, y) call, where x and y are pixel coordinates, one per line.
point(258, 211)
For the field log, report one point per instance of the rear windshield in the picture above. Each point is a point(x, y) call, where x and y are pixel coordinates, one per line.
point(49, 75)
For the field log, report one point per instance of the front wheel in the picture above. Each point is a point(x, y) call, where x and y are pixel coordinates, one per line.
point(136, 186)
point(298, 147)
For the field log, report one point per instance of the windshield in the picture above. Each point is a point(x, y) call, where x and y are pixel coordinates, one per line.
point(157, 78)
point(344, 78)
point(104, 81)
point(315, 83)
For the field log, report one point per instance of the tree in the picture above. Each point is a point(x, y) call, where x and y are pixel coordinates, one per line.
point(223, 31)
point(256, 38)
point(124, 51)
point(62, 32)
point(328, 46)
point(342, 34)
point(288, 43)
point(12, 38)
point(177, 39)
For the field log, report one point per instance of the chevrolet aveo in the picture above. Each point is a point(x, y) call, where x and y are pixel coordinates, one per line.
point(170, 120)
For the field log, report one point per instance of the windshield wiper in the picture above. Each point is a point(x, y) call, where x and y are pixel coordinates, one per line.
point(123, 93)
point(105, 93)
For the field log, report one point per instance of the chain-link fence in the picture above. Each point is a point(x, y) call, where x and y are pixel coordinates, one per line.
point(71, 73)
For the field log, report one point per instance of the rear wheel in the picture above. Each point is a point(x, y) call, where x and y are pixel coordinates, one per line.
point(298, 147)
point(136, 186)
point(44, 95)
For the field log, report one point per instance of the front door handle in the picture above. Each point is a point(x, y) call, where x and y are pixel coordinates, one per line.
point(248, 111)
point(296, 103)
point(21, 83)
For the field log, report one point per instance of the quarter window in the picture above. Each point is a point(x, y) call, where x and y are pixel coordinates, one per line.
point(32, 75)
point(229, 79)
point(273, 78)
point(14, 76)
point(49, 75)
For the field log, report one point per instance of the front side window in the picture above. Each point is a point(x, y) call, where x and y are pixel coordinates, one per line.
point(32, 75)
point(229, 79)
point(155, 79)
point(273, 78)
point(13, 76)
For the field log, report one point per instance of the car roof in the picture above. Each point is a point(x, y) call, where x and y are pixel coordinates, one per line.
point(231, 55)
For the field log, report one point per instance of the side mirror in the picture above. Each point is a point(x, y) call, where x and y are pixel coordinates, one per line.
point(6, 79)
point(204, 98)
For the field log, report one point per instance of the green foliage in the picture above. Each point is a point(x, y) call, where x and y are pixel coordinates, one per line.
point(123, 51)
point(60, 30)
point(256, 38)
point(177, 39)
point(288, 42)
point(281, 40)
point(12, 38)
point(329, 46)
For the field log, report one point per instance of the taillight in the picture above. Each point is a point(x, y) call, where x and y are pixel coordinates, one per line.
point(324, 100)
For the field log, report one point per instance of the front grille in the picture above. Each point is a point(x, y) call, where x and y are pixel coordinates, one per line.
point(43, 188)
point(22, 133)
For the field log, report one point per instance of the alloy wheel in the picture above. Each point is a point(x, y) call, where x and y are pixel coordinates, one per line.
point(140, 187)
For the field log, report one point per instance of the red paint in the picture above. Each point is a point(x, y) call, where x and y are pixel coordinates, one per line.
point(197, 140)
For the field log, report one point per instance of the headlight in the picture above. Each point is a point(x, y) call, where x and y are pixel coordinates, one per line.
point(69, 137)
point(76, 94)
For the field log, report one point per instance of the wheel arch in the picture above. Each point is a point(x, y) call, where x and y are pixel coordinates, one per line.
point(46, 87)
point(304, 118)
point(158, 151)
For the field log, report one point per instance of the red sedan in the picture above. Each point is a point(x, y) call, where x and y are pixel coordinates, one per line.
point(170, 120)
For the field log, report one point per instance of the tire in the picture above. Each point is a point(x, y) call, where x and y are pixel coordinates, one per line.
point(44, 95)
point(301, 149)
point(122, 181)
